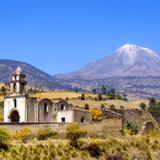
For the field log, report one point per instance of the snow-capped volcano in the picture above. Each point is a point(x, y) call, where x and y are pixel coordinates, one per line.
point(128, 60)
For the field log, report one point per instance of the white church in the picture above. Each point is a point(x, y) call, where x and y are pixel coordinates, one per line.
point(20, 108)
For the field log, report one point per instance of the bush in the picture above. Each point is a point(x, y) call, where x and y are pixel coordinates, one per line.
point(4, 135)
point(43, 134)
point(83, 96)
point(130, 127)
point(97, 115)
point(4, 138)
point(23, 134)
point(112, 107)
point(86, 106)
point(94, 149)
point(74, 132)
point(143, 106)
point(99, 97)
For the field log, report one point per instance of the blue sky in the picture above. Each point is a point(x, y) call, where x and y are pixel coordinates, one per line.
point(60, 36)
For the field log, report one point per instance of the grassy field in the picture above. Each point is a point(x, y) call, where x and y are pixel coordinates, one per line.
point(76, 101)
point(61, 94)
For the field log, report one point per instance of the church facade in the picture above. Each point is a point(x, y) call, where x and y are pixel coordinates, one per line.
point(19, 107)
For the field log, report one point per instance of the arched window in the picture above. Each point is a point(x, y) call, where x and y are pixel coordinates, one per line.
point(45, 107)
point(63, 107)
point(82, 119)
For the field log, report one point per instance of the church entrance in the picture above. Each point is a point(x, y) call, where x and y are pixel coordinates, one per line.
point(14, 116)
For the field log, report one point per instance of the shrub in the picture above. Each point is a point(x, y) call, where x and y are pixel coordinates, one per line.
point(67, 99)
point(112, 107)
point(94, 149)
point(83, 96)
point(97, 115)
point(4, 138)
point(99, 97)
point(43, 134)
point(86, 106)
point(143, 106)
point(74, 132)
point(23, 134)
point(4, 135)
point(130, 127)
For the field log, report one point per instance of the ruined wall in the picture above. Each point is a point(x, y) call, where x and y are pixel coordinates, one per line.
point(13, 127)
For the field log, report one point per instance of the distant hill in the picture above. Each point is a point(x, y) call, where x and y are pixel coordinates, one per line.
point(35, 76)
point(131, 69)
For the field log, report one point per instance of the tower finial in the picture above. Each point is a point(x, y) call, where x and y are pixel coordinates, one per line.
point(18, 70)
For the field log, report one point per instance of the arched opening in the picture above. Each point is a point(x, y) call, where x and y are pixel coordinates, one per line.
point(14, 116)
point(82, 119)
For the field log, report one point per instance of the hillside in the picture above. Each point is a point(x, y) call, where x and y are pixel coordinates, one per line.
point(35, 76)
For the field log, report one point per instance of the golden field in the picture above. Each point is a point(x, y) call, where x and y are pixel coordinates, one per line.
point(74, 98)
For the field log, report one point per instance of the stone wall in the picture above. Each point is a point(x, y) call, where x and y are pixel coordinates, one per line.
point(13, 127)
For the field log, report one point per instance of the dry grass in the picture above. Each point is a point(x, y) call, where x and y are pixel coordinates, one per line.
point(104, 129)
point(117, 103)
point(61, 94)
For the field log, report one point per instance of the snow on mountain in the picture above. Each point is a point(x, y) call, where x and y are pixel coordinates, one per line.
point(128, 60)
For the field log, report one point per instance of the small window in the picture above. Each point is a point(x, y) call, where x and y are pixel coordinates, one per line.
point(82, 119)
point(45, 107)
point(62, 107)
point(15, 103)
point(14, 87)
point(63, 119)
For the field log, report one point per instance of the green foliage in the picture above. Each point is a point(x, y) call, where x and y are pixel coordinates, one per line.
point(143, 106)
point(86, 106)
point(43, 134)
point(4, 135)
point(130, 127)
point(112, 94)
point(83, 96)
point(152, 102)
point(94, 91)
point(97, 115)
point(74, 132)
point(103, 90)
point(112, 107)
point(23, 134)
point(67, 99)
point(153, 105)
point(1, 104)
point(3, 90)
point(99, 97)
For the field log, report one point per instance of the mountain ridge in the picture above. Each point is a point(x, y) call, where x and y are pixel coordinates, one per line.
point(128, 60)
point(35, 76)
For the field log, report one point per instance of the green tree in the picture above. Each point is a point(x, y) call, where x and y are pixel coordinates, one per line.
point(86, 106)
point(3, 90)
point(112, 94)
point(83, 96)
point(143, 106)
point(99, 97)
point(152, 102)
point(103, 90)
point(94, 91)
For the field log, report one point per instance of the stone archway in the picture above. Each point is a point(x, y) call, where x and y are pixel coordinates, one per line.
point(14, 116)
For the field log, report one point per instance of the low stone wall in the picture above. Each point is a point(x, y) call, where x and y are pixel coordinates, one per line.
point(14, 127)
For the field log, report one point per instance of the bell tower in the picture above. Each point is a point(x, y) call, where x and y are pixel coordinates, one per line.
point(15, 102)
point(18, 82)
